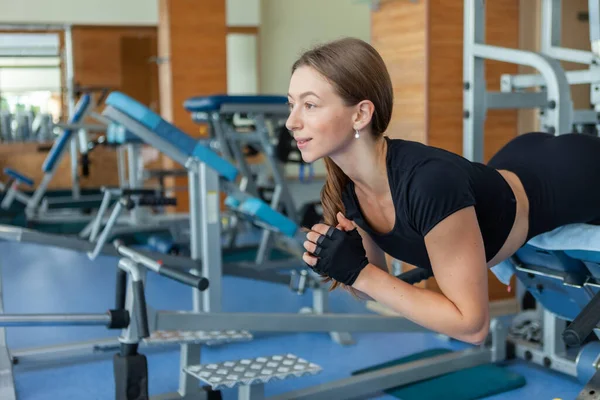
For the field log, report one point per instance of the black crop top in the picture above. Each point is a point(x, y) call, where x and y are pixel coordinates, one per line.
point(428, 184)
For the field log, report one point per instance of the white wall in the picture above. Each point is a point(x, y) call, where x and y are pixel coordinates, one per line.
point(242, 48)
point(93, 12)
point(110, 12)
point(242, 64)
point(243, 12)
point(290, 26)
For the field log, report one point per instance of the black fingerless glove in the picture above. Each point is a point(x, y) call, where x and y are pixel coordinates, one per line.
point(341, 255)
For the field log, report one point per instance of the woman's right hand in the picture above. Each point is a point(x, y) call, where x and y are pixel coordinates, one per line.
point(344, 224)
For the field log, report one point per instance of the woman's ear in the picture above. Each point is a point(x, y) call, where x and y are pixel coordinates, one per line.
point(364, 114)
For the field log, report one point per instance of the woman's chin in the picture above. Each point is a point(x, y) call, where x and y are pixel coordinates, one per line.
point(309, 156)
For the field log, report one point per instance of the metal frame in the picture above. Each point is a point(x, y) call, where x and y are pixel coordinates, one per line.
point(230, 143)
point(477, 100)
point(135, 266)
point(494, 350)
point(551, 46)
point(554, 97)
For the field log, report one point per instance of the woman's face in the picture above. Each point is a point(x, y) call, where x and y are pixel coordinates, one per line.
point(319, 120)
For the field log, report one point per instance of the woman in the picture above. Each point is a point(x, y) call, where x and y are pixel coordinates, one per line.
point(420, 204)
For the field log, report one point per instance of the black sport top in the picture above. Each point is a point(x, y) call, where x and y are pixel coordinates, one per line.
point(428, 184)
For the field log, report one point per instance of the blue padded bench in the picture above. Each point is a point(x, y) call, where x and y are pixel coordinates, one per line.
point(169, 133)
point(250, 206)
point(214, 103)
point(61, 142)
point(260, 210)
point(19, 177)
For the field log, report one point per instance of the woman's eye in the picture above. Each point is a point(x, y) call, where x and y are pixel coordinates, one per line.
point(309, 106)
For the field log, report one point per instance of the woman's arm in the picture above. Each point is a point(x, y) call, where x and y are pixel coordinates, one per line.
point(457, 256)
point(375, 255)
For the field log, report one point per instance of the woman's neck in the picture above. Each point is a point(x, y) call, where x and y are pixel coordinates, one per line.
point(364, 162)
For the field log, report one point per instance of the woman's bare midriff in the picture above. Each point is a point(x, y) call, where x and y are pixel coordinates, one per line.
point(518, 233)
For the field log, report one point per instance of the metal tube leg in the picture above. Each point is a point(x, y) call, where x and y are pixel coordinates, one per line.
point(7, 383)
point(97, 224)
point(190, 355)
point(553, 328)
point(205, 237)
point(251, 392)
point(70, 82)
point(40, 192)
point(134, 182)
point(210, 238)
point(550, 26)
point(74, 168)
point(474, 85)
point(321, 306)
point(122, 167)
point(9, 197)
point(264, 248)
point(594, 21)
point(276, 169)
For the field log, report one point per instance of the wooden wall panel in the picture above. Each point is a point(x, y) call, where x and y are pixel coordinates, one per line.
point(192, 50)
point(399, 34)
point(445, 124)
point(502, 29)
point(117, 58)
point(28, 159)
point(445, 44)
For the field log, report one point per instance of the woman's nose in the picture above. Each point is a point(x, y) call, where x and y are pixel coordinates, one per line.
point(293, 122)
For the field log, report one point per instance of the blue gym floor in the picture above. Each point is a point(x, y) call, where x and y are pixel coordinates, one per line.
point(38, 279)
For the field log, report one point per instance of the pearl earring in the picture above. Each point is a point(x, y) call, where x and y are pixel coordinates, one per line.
point(357, 135)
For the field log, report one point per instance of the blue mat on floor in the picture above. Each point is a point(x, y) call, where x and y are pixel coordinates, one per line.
point(468, 384)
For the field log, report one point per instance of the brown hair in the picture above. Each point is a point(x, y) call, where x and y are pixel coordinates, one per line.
point(357, 72)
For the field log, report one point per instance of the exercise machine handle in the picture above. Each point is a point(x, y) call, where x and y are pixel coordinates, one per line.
point(112, 220)
point(136, 192)
point(415, 276)
point(157, 201)
point(197, 282)
point(583, 324)
point(141, 311)
point(186, 278)
point(121, 291)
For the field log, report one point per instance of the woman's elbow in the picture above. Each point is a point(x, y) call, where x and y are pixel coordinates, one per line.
point(477, 331)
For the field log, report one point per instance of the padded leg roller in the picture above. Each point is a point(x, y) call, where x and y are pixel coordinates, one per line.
point(131, 377)
point(583, 325)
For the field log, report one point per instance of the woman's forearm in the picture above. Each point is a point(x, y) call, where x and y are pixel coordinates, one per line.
point(427, 308)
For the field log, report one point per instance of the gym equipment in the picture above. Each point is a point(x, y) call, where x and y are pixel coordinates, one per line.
point(130, 367)
point(555, 100)
point(561, 270)
point(200, 160)
point(558, 268)
point(153, 130)
point(32, 203)
point(551, 46)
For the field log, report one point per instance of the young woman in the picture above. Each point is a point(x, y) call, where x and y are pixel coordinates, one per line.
point(420, 204)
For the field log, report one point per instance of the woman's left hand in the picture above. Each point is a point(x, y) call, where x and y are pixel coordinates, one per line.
point(335, 253)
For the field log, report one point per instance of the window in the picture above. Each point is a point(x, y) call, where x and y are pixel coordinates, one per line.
point(30, 85)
